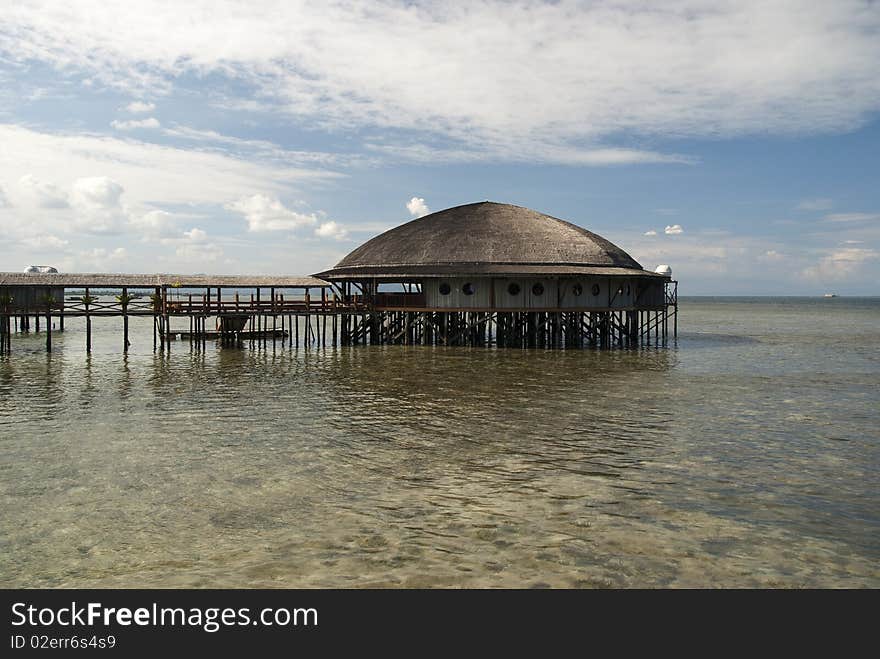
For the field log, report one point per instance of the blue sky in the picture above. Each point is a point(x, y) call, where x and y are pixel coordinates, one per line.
point(738, 142)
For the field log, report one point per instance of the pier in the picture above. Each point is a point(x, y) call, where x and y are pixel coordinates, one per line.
point(307, 311)
point(484, 274)
point(212, 307)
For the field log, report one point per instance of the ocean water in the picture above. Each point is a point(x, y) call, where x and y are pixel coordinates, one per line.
point(746, 453)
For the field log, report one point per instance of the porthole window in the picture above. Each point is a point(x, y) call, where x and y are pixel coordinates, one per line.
point(538, 289)
point(468, 289)
point(577, 290)
point(513, 288)
point(595, 290)
point(445, 289)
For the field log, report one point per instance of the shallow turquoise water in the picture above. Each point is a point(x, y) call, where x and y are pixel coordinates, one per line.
point(744, 454)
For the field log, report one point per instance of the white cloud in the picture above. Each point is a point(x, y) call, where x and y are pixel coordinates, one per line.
point(194, 247)
point(331, 230)
point(96, 204)
point(691, 257)
point(99, 259)
point(152, 174)
point(190, 247)
point(560, 77)
point(262, 149)
point(673, 230)
point(4, 201)
point(530, 150)
point(132, 124)
point(852, 217)
point(45, 241)
point(821, 204)
point(417, 207)
point(96, 193)
point(772, 255)
point(650, 232)
point(43, 193)
point(193, 252)
point(840, 264)
point(84, 188)
point(154, 224)
point(266, 213)
point(595, 156)
point(195, 235)
point(727, 263)
point(140, 107)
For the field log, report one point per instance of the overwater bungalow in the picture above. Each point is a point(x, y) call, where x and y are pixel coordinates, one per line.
point(496, 274)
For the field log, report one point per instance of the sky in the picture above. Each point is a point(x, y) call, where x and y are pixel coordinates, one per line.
point(738, 142)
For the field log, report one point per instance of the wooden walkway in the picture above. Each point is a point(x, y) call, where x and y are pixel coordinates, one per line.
point(305, 311)
point(26, 299)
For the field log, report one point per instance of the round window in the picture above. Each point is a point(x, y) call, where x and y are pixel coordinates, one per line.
point(538, 289)
point(468, 289)
point(513, 288)
point(577, 290)
point(595, 290)
point(445, 289)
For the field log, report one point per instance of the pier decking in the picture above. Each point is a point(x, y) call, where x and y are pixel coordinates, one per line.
point(26, 298)
point(311, 311)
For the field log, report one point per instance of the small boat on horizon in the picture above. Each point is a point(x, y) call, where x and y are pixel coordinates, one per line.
point(830, 295)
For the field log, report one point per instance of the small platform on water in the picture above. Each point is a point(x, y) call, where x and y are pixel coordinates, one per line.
point(245, 335)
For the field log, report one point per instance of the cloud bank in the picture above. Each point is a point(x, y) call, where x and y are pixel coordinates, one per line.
point(559, 80)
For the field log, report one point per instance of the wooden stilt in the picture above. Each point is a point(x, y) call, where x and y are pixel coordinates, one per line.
point(87, 299)
point(125, 301)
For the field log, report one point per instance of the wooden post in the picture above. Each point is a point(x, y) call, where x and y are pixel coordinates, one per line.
point(48, 321)
point(125, 342)
point(190, 317)
point(88, 323)
point(166, 320)
point(155, 304)
point(274, 317)
point(308, 322)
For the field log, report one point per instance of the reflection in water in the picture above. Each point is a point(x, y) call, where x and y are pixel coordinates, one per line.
point(733, 459)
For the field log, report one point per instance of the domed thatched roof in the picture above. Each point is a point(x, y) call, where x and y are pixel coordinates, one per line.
point(486, 238)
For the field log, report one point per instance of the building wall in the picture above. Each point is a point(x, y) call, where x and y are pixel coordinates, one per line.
point(526, 293)
point(583, 292)
point(30, 297)
point(456, 298)
point(652, 293)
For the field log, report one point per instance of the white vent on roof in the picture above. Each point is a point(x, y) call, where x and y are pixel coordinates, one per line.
point(664, 270)
point(41, 269)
